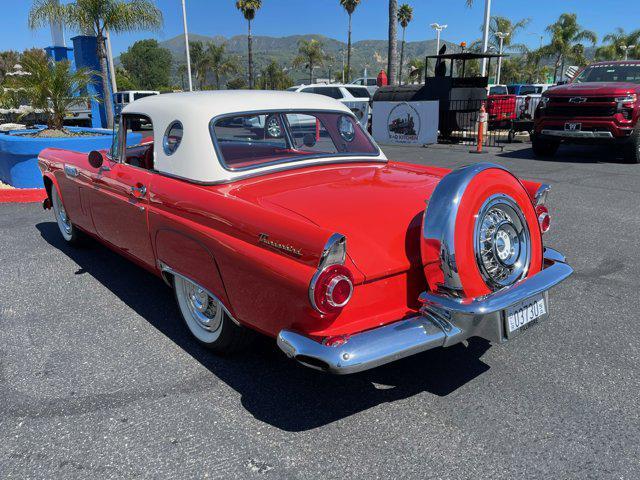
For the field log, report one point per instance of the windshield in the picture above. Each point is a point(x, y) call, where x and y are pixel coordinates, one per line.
point(246, 141)
point(616, 72)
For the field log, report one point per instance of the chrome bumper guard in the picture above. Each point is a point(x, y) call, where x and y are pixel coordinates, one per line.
point(443, 321)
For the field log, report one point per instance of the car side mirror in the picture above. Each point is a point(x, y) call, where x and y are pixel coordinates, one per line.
point(309, 140)
point(95, 159)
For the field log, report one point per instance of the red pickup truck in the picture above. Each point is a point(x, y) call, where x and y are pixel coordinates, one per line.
point(599, 106)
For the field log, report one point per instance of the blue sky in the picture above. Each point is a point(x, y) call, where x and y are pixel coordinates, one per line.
point(288, 17)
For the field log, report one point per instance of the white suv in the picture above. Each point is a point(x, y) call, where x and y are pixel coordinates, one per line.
point(370, 82)
point(355, 97)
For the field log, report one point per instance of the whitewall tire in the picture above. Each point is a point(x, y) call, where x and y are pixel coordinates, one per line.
point(207, 319)
point(67, 230)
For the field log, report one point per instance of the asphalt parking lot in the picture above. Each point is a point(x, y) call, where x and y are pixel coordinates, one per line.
point(99, 378)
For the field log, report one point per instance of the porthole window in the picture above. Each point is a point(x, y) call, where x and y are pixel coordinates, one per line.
point(172, 138)
point(346, 128)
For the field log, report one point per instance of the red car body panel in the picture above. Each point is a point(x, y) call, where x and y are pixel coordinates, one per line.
point(213, 232)
point(501, 108)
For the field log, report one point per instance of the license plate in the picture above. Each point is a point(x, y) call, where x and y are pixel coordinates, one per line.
point(573, 127)
point(520, 316)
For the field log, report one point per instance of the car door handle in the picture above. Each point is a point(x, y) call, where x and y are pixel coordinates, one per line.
point(70, 171)
point(138, 191)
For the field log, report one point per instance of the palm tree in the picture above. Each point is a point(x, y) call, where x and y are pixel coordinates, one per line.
point(8, 60)
point(393, 41)
point(505, 25)
point(199, 62)
point(616, 40)
point(274, 77)
point(405, 15)
point(219, 62)
point(249, 9)
point(311, 55)
point(349, 6)
point(566, 33)
point(96, 17)
point(52, 86)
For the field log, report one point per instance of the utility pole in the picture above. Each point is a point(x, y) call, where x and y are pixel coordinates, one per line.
point(186, 44)
point(485, 35)
point(501, 36)
point(438, 28)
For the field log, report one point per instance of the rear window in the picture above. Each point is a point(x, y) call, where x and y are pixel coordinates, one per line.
point(498, 90)
point(527, 90)
point(358, 92)
point(512, 89)
point(247, 141)
point(138, 96)
point(333, 92)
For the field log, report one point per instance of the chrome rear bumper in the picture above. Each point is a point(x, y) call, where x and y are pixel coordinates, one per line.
point(443, 321)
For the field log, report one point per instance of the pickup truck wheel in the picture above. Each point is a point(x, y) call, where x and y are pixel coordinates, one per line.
point(207, 318)
point(68, 231)
point(632, 149)
point(544, 148)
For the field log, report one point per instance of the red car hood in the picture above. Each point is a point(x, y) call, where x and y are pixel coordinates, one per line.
point(594, 88)
point(378, 207)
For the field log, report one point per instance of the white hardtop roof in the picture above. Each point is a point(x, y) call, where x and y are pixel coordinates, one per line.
point(211, 104)
point(196, 158)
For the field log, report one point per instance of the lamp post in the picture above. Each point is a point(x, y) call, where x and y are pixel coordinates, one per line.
point(625, 49)
point(485, 34)
point(438, 28)
point(186, 44)
point(501, 36)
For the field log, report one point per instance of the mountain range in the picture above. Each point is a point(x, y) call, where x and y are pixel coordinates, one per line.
point(370, 54)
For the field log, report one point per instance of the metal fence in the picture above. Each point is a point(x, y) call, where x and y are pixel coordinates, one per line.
point(507, 118)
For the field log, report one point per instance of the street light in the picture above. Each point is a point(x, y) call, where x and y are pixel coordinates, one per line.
point(438, 28)
point(501, 36)
point(625, 49)
point(186, 44)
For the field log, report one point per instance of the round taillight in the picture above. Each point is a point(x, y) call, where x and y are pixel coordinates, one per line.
point(544, 220)
point(331, 289)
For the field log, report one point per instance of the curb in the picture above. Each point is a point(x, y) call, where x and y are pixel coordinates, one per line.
point(22, 195)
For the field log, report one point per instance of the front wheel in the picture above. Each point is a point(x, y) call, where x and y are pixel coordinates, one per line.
point(544, 148)
point(70, 233)
point(207, 318)
point(632, 149)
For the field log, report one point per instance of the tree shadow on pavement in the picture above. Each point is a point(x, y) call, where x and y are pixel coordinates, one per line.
point(275, 389)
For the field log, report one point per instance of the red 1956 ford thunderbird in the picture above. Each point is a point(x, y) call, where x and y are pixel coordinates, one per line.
point(276, 212)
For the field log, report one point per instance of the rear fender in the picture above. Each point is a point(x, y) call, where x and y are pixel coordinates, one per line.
point(189, 257)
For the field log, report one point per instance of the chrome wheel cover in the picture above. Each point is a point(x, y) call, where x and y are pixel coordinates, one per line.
point(202, 312)
point(502, 242)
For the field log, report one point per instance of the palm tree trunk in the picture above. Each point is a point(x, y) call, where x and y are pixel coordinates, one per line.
point(106, 97)
point(349, 52)
point(555, 70)
point(310, 73)
point(393, 44)
point(250, 58)
point(562, 68)
point(401, 58)
point(217, 80)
